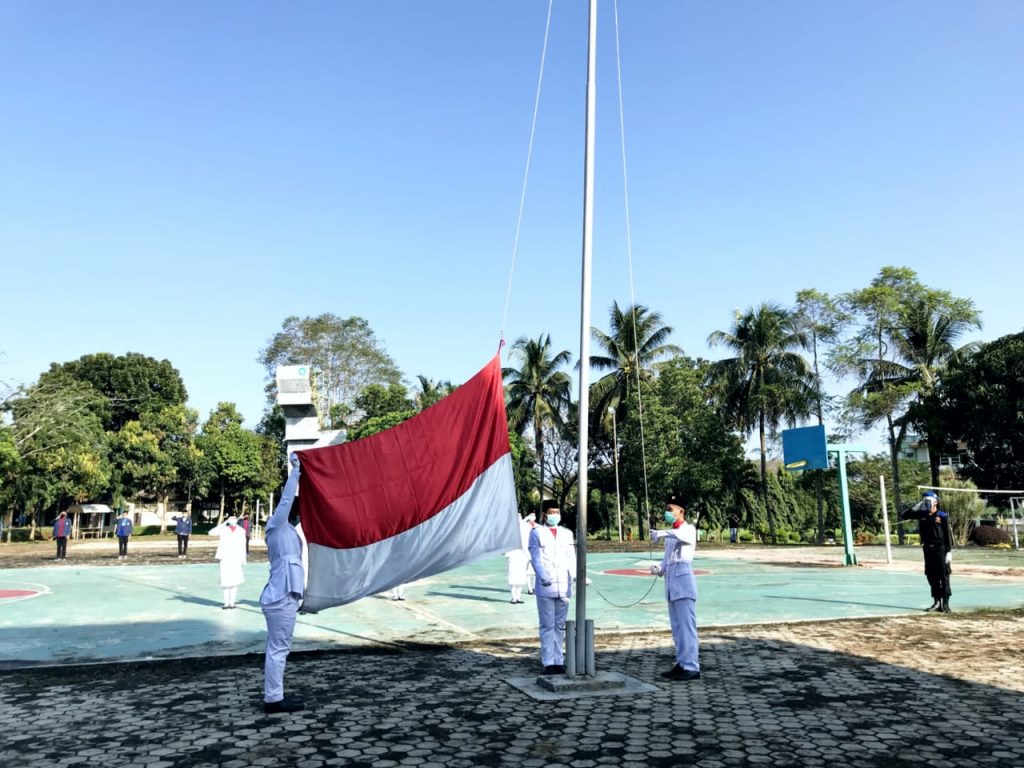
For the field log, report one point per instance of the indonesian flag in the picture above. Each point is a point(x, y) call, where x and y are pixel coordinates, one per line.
point(428, 495)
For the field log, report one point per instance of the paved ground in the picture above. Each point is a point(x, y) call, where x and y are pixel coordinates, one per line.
point(898, 690)
point(799, 695)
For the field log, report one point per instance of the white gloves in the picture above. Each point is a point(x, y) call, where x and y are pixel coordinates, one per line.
point(656, 569)
point(949, 558)
point(655, 535)
point(293, 460)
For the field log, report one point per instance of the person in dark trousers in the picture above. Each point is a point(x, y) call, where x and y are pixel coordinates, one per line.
point(247, 527)
point(937, 543)
point(123, 531)
point(183, 527)
point(61, 531)
point(734, 528)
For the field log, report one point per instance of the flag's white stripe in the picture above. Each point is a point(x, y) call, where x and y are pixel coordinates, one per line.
point(483, 521)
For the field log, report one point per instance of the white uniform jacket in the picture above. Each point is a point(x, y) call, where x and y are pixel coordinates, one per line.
point(680, 545)
point(284, 550)
point(553, 556)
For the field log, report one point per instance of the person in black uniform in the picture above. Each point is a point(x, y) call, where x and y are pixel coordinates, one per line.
point(937, 543)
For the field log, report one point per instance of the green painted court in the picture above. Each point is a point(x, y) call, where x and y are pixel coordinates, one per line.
point(61, 614)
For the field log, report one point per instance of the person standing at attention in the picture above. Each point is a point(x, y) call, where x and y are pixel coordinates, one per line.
point(247, 527)
point(182, 527)
point(734, 527)
point(937, 544)
point(123, 530)
point(231, 554)
point(680, 589)
point(553, 554)
point(61, 531)
point(281, 597)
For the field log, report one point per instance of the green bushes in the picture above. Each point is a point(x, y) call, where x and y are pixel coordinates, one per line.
point(989, 536)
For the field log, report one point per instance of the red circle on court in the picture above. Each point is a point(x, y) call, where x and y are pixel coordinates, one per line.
point(647, 572)
point(10, 594)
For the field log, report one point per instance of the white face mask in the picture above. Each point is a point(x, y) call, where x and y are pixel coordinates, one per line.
point(554, 519)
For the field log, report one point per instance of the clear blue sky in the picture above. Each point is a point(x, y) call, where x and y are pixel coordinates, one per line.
point(178, 177)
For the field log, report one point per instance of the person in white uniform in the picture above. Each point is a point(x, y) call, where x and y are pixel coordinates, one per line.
point(281, 597)
point(231, 555)
point(531, 575)
point(680, 589)
point(518, 563)
point(553, 554)
point(398, 592)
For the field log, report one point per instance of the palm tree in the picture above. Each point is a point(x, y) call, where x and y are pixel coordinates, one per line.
point(926, 341)
point(431, 392)
point(766, 383)
point(537, 392)
point(632, 348)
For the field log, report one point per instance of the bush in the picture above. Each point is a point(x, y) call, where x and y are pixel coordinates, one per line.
point(746, 536)
point(989, 535)
point(794, 537)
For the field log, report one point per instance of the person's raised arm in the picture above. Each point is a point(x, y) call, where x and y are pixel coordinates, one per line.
point(291, 488)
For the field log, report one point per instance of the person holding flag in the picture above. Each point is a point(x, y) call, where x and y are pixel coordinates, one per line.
point(553, 555)
point(680, 589)
point(281, 596)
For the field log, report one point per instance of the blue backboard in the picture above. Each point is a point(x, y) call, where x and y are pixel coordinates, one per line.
point(804, 448)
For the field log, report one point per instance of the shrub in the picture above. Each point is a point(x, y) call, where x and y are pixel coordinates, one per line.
point(746, 536)
point(989, 535)
point(794, 537)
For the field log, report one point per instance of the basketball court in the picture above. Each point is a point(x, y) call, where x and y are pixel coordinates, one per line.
point(67, 614)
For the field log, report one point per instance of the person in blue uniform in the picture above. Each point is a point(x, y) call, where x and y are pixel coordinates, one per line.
point(680, 589)
point(553, 555)
point(61, 531)
point(281, 596)
point(937, 544)
point(123, 531)
point(182, 527)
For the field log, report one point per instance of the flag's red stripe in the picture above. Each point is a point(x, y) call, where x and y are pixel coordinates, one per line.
point(371, 489)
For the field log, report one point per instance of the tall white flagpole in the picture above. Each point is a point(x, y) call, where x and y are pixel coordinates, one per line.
point(584, 401)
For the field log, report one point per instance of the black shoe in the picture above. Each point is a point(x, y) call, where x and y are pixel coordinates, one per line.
point(674, 671)
point(554, 669)
point(284, 705)
point(684, 674)
point(945, 605)
point(936, 606)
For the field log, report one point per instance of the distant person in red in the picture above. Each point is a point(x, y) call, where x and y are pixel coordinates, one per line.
point(61, 531)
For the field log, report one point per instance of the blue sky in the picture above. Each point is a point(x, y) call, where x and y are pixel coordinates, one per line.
point(178, 177)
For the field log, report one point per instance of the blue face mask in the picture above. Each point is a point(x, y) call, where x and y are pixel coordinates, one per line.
point(554, 520)
point(670, 516)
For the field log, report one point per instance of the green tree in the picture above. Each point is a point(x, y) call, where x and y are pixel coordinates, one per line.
point(131, 384)
point(431, 392)
point(631, 351)
point(537, 393)
point(821, 319)
point(767, 382)
point(344, 354)
point(978, 403)
point(238, 459)
point(688, 447)
point(904, 337)
point(927, 340)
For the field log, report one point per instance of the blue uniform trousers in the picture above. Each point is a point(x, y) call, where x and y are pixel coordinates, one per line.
point(551, 612)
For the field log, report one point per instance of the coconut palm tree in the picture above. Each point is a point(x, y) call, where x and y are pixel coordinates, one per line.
point(926, 343)
point(431, 392)
point(767, 382)
point(537, 392)
point(632, 350)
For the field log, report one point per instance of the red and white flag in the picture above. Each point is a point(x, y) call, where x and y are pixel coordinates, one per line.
point(426, 496)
